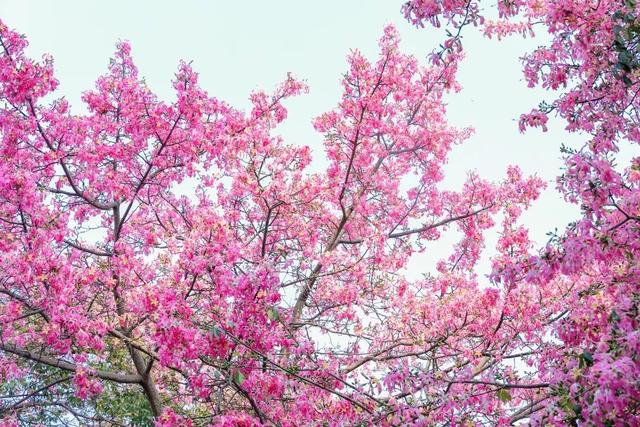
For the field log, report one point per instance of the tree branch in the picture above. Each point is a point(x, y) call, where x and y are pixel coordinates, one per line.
point(67, 366)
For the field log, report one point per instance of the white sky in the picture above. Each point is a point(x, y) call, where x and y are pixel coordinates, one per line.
point(239, 46)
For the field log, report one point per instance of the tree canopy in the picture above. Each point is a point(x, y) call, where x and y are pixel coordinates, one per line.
point(274, 294)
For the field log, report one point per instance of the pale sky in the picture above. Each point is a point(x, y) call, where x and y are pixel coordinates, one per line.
point(239, 46)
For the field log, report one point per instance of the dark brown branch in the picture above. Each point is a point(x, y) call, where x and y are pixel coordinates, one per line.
point(87, 250)
point(439, 223)
point(32, 394)
point(78, 192)
point(500, 385)
point(67, 366)
point(25, 302)
point(293, 374)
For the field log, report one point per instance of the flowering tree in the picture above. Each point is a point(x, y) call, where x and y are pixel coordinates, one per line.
point(592, 64)
point(267, 290)
point(268, 294)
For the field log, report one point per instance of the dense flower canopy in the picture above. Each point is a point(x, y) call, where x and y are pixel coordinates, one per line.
point(180, 264)
point(592, 65)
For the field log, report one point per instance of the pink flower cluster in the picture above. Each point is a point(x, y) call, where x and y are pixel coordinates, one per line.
point(591, 63)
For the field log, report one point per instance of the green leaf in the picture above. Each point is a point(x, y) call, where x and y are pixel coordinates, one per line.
point(216, 332)
point(238, 377)
point(577, 409)
point(587, 357)
point(272, 314)
point(613, 317)
point(504, 395)
point(625, 60)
